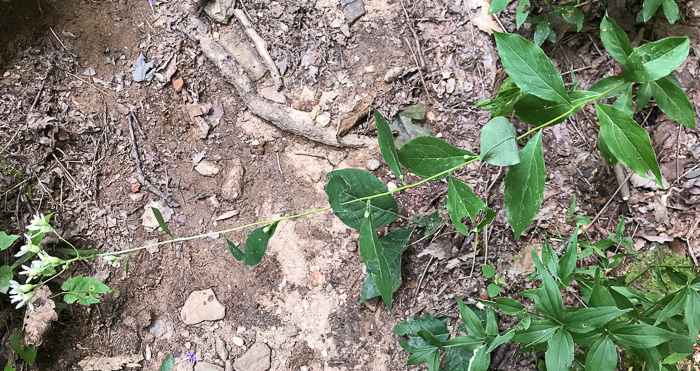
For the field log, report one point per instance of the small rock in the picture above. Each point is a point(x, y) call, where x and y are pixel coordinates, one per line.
point(220, 10)
point(232, 188)
point(336, 23)
point(148, 219)
point(257, 358)
point(392, 74)
point(450, 88)
point(323, 120)
point(370, 69)
point(270, 93)
point(354, 9)
point(391, 186)
point(351, 246)
point(178, 83)
point(221, 350)
point(207, 168)
point(202, 306)
point(345, 29)
point(237, 341)
point(205, 366)
point(290, 330)
point(373, 164)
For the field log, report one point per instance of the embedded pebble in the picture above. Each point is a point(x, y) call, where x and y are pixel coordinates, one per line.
point(257, 358)
point(205, 366)
point(232, 188)
point(202, 306)
point(239, 342)
point(336, 23)
point(323, 120)
point(373, 164)
point(221, 350)
point(392, 74)
point(391, 186)
point(345, 29)
point(207, 168)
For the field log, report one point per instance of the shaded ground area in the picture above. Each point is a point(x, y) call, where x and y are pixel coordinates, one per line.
point(66, 98)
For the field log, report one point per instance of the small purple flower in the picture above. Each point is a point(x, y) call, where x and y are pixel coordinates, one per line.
point(150, 2)
point(191, 357)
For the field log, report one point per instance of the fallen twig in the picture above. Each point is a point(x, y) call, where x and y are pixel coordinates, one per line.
point(261, 45)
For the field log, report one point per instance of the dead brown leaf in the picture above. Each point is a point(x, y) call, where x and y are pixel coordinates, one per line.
point(37, 321)
point(350, 119)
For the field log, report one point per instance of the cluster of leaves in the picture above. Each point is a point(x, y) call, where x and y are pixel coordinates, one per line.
point(571, 14)
point(660, 327)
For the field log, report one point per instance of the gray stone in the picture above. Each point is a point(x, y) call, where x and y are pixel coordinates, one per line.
point(353, 10)
point(257, 358)
point(272, 94)
point(290, 330)
point(220, 11)
point(202, 306)
point(372, 164)
point(336, 23)
point(221, 349)
point(232, 188)
point(205, 366)
point(345, 29)
point(160, 328)
point(392, 74)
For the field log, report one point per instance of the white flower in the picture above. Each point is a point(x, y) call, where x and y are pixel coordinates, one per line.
point(34, 271)
point(28, 246)
point(22, 299)
point(16, 288)
point(41, 224)
point(47, 260)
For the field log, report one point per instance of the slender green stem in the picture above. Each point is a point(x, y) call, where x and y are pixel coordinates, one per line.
point(570, 111)
point(181, 239)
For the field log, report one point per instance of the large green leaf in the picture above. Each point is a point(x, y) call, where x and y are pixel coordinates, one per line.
point(560, 351)
point(348, 185)
point(537, 111)
point(602, 356)
point(539, 331)
point(627, 141)
point(498, 146)
point(692, 313)
point(412, 326)
point(530, 68)
point(498, 5)
point(372, 251)
point(472, 323)
point(508, 306)
point(393, 246)
point(429, 156)
point(643, 95)
point(5, 277)
point(27, 353)
point(642, 335)
point(672, 100)
point(549, 300)
point(657, 59)
point(386, 144)
point(84, 290)
point(457, 359)
point(613, 85)
point(256, 243)
point(587, 319)
point(615, 40)
point(567, 263)
point(468, 343)
point(461, 202)
point(676, 305)
point(670, 10)
point(624, 101)
point(7, 240)
point(649, 8)
point(524, 186)
point(481, 360)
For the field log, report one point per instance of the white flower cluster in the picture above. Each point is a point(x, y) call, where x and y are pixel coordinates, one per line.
point(43, 266)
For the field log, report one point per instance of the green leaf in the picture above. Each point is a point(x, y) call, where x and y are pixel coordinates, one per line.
point(7, 240)
point(8, 367)
point(657, 59)
point(235, 251)
point(493, 289)
point(497, 6)
point(616, 83)
point(491, 322)
point(431, 223)
point(347, 185)
point(168, 363)
point(405, 127)
point(502, 105)
point(427, 355)
point(676, 305)
point(587, 319)
point(672, 101)
point(521, 14)
point(642, 335)
point(462, 202)
point(643, 95)
point(372, 251)
point(28, 354)
point(429, 338)
point(471, 321)
point(615, 40)
point(481, 360)
point(386, 144)
point(84, 290)
point(161, 222)
point(539, 331)
point(675, 358)
point(488, 270)
point(412, 326)
point(624, 101)
point(498, 146)
point(548, 299)
point(500, 339)
point(560, 351)
point(567, 263)
point(651, 357)
point(457, 359)
point(670, 10)
point(393, 246)
point(536, 111)
point(508, 306)
point(430, 156)
point(468, 343)
point(602, 356)
point(627, 141)
point(256, 243)
point(572, 15)
point(530, 68)
point(542, 31)
point(524, 186)
point(414, 112)
point(649, 8)
point(5, 277)
point(692, 313)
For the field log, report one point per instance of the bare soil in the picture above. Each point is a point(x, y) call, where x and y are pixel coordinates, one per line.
point(63, 60)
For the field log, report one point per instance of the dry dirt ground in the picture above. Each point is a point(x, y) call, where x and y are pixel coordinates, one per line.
point(66, 93)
